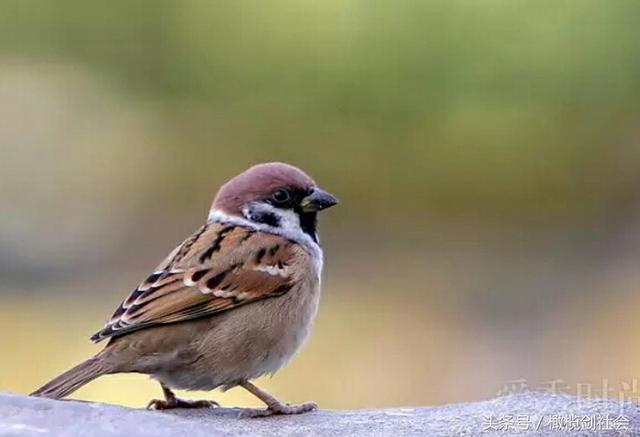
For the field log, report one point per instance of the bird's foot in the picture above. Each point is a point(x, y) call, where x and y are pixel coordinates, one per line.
point(278, 409)
point(157, 404)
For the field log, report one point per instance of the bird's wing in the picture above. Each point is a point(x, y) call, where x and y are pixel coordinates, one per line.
point(218, 268)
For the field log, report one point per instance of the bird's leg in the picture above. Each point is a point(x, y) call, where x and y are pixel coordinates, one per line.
point(274, 406)
point(171, 401)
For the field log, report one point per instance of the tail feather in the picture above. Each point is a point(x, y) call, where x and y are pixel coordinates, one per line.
point(72, 379)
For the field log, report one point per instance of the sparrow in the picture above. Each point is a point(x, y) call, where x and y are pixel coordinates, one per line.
point(233, 302)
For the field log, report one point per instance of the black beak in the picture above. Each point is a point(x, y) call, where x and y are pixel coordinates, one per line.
point(318, 200)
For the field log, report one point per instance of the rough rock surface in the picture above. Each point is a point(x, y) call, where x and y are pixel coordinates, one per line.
point(530, 414)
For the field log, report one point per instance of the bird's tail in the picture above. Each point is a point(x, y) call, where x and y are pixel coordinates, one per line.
point(72, 379)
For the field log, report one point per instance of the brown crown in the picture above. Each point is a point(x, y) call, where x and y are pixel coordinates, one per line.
point(259, 182)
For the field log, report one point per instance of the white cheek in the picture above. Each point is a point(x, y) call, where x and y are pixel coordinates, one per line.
point(289, 220)
point(289, 226)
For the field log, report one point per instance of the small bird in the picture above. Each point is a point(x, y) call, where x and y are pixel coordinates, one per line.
point(233, 302)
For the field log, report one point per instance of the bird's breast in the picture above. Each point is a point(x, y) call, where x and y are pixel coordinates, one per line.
point(255, 339)
point(289, 323)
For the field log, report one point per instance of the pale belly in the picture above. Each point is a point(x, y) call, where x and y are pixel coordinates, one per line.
point(245, 343)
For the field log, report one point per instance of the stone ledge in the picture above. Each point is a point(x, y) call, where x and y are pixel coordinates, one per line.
point(24, 416)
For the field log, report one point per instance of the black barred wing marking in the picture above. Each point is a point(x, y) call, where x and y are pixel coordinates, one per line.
point(218, 268)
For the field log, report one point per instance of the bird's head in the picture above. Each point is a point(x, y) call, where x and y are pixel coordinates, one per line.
point(274, 194)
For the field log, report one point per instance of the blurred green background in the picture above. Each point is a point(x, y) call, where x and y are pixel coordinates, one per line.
point(487, 155)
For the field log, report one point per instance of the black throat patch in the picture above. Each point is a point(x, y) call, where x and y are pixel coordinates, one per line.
point(308, 223)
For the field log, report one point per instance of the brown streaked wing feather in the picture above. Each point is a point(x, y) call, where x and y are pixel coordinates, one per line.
point(216, 269)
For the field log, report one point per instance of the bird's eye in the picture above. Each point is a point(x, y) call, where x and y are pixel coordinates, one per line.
point(281, 196)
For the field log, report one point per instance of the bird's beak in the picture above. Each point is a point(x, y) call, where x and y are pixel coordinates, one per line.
point(318, 200)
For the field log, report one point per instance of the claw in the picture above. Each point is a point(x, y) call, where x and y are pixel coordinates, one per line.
point(278, 409)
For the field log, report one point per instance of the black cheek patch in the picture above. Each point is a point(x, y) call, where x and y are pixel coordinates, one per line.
point(266, 218)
